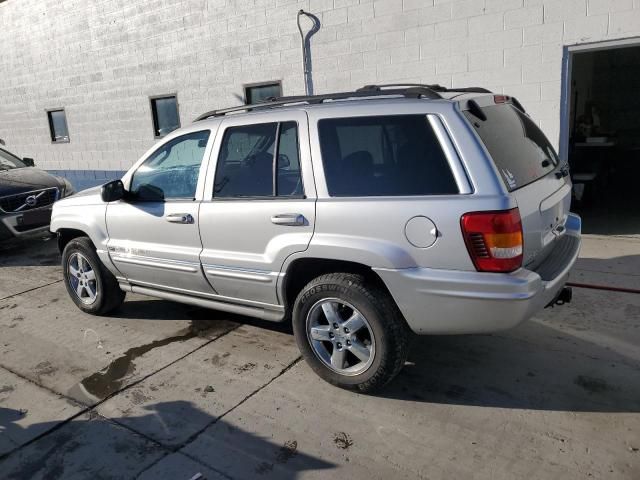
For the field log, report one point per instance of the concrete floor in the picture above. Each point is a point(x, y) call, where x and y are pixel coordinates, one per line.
point(166, 391)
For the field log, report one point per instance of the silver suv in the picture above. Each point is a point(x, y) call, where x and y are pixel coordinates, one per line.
point(361, 217)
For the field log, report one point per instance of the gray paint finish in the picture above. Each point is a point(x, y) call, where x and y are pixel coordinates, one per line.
point(235, 254)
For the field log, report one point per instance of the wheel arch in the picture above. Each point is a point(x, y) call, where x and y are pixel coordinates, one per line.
point(65, 235)
point(68, 225)
point(299, 272)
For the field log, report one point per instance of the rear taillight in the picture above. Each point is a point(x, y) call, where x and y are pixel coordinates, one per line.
point(494, 239)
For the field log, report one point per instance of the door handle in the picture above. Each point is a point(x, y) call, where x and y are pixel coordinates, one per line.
point(179, 218)
point(292, 219)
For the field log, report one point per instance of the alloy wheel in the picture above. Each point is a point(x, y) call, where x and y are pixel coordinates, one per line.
point(82, 278)
point(340, 336)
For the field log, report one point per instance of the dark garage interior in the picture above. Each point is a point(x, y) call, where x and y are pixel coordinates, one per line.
point(604, 142)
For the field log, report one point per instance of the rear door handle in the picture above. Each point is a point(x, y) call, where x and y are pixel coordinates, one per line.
point(292, 219)
point(179, 218)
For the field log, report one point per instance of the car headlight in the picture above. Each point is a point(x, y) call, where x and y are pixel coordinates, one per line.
point(68, 188)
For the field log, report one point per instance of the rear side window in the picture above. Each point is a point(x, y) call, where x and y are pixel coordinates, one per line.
point(260, 160)
point(383, 156)
point(517, 146)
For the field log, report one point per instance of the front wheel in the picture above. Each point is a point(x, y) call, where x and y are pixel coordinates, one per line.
point(90, 285)
point(350, 332)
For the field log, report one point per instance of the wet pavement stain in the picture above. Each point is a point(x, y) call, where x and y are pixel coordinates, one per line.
point(247, 367)
point(593, 385)
point(45, 368)
point(264, 468)
point(287, 451)
point(342, 440)
point(109, 380)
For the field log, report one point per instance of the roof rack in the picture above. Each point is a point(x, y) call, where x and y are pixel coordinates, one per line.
point(403, 90)
point(434, 87)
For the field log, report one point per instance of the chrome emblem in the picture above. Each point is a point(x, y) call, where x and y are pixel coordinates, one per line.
point(31, 201)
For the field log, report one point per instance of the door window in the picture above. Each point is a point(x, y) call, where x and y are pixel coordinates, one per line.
point(172, 170)
point(259, 161)
point(289, 176)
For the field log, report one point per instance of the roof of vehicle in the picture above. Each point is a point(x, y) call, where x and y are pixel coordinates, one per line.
point(364, 94)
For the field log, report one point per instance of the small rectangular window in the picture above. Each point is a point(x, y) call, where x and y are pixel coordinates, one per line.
point(165, 115)
point(58, 126)
point(251, 164)
point(260, 92)
point(384, 156)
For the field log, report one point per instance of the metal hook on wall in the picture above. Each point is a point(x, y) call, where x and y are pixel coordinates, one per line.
point(306, 49)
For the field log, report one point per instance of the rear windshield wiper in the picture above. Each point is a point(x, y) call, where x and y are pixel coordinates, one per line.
point(563, 171)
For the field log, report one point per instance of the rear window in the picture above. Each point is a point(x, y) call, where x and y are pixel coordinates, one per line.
point(517, 146)
point(383, 156)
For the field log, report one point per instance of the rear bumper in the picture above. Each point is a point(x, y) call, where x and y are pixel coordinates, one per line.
point(456, 302)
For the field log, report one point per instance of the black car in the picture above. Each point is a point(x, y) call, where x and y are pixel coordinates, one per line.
point(26, 196)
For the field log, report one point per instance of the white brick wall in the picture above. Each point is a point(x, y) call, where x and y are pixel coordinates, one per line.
point(101, 60)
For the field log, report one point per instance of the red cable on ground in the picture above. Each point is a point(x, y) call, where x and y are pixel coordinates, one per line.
point(603, 287)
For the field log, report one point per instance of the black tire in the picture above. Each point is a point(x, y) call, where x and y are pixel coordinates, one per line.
point(386, 324)
point(108, 296)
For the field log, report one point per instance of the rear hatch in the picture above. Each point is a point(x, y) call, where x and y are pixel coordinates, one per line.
point(529, 168)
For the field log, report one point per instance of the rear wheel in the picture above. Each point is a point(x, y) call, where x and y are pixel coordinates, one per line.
point(91, 286)
point(350, 332)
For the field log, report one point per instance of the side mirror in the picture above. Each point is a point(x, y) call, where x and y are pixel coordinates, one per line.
point(149, 193)
point(112, 191)
point(28, 162)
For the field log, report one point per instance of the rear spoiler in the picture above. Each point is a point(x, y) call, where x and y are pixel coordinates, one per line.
point(476, 110)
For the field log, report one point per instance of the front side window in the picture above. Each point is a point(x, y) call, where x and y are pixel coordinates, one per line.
point(172, 170)
point(384, 156)
point(165, 115)
point(58, 126)
point(259, 161)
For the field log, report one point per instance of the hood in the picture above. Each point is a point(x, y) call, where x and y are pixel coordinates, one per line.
point(19, 180)
point(90, 196)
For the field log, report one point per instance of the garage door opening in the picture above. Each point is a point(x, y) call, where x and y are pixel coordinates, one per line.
point(602, 125)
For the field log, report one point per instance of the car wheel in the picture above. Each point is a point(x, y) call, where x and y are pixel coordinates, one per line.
point(351, 333)
point(91, 286)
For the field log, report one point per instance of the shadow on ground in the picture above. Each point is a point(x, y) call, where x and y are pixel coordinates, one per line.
point(543, 369)
point(167, 310)
point(91, 446)
point(531, 367)
point(539, 365)
point(32, 252)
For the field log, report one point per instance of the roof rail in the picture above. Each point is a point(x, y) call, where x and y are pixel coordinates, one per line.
point(382, 86)
point(434, 87)
point(469, 90)
point(409, 91)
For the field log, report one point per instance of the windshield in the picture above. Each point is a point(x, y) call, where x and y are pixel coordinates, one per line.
point(9, 161)
point(518, 147)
